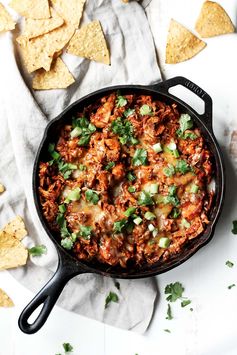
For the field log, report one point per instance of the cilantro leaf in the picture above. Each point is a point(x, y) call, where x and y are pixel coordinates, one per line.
point(145, 199)
point(112, 297)
point(119, 225)
point(67, 243)
point(121, 101)
point(37, 250)
point(85, 232)
point(230, 287)
point(82, 128)
point(185, 122)
point(117, 285)
point(169, 170)
point(234, 230)
point(169, 313)
point(229, 263)
point(175, 213)
point(67, 348)
point(131, 176)
point(92, 196)
point(140, 157)
point(124, 129)
point(128, 112)
point(182, 166)
point(174, 291)
point(185, 303)
point(167, 331)
point(146, 110)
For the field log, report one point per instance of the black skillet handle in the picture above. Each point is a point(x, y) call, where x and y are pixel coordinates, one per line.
point(206, 117)
point(47, 297)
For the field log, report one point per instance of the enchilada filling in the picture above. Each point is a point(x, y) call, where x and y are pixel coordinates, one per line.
point(127, 181)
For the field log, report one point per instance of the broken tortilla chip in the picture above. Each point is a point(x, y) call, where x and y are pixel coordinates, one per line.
point(71, 11)
point(2, 188)
point(12, 252)
point(5, 300)
point(34, 28)
point(6, 21)
point(39, 51)
point(213, 21)
point(16, 228)
point(58, 77)
point(181, 44)
point(89, 42)
point(36, 9)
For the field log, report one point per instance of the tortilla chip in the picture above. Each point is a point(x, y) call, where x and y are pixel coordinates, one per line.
point(36, 9)
point(35, 28)
point(181, 44)
point(89, 42)
point(5, 300)
point(12, 252)
point(58, 77)
point(2, 188)
point(16, 228)
point(6, 21)
point(38, 52)
point(71, 11)
point(213, 21)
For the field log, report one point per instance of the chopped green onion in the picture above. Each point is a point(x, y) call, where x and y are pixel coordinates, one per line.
point(151, 227)
point(185, 223)
point(176, 153)
point(229, 263)
point(77, 131)
point(164, 242)
point(194, 189)
point(128, 112)
point(146, 110)
point(169, 170)
point(157, 148)
point(171, 146)
point(82, 167)
point(131, 176)
point(137, 220)
point(140, 157)
point(172, 190)
point(149, 216)
point(152, 188)
point(182, 166)
point(155, 232)
point(129, 211)
point(62, 208)
point(73, 195)
point(131, 189)
point(175, 213)
point(110, 165)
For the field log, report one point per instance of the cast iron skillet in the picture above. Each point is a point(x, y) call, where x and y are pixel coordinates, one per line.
point(68, 265)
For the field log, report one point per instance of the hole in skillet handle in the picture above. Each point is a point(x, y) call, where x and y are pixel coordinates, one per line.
point(46, 298)
point(169, 86)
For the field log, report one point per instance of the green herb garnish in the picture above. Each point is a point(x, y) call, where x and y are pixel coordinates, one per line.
point(185, 122)
point(37, 250)
point(230, 286)
point(112, 297)
point(145, 199)
point(117, 285)
point(67, 348)
point(66, 168)
point(169, 313)
point(130, 211)
point(164, 242)
point(85, 232)
point(167, 331)
point(82, 167)
point(110, 165)
point(185, 224)
point(146, 110)
point(131, 176)
point(73, 195)
point(234, 230)
point(182, 166)
point(67, 243)
point(119, 225)
point(175, 213)
point(140, 157)
point(92, 196)
point(174, 291)
point(149, 216)
point(169, 170)
point(121, 101)
point(129, 112)
point(185, 303)
point(131, 189)
point(82, 128)
point(229, 263)
point(124, 129)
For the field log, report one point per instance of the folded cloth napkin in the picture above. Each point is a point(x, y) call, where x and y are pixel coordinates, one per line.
point(24, 115)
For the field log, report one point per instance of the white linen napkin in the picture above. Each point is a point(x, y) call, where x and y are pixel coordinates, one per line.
point(24, 115)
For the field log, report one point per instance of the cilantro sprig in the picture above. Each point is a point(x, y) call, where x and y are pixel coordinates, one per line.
point(185, 123)
point(112, 297)
point(169, 313)
point(234, 229)
point(124, 129)
point(174, 291)
point(64, 168)
point(37, 250)
point(82, 128)
point(140, 157)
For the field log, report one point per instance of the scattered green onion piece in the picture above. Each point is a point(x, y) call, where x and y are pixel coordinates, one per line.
point(176, 153)
point(131, 189)
point(169, 170)
point(157, 148)
point(62, 208)
point(185, 223)
point(164, 242)
point(73, 195)
point(146, 110)
point(145, 199)
point(194, 189)
point(155, 232)
point(151, 227)
point(77, 131)
point(137, 220)
point(131, 176)
point(171, 146)
point(129, 211)
point(92, 196)
point(149, 216)
point(82, 167)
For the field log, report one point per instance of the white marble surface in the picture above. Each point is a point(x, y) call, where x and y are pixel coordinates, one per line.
point(211, 328)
